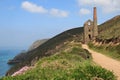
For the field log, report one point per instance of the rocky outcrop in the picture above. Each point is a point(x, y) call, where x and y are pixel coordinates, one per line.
point(112, 41)
point(18, 58)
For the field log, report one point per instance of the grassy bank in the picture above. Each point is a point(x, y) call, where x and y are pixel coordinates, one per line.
point(69, 64)
point(111, 51)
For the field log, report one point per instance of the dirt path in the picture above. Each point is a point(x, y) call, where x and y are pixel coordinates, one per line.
point(105, 62)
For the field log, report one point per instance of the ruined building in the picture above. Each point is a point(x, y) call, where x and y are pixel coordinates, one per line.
point(91, 28)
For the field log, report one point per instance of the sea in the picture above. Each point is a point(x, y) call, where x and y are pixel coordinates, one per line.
point(5, 55)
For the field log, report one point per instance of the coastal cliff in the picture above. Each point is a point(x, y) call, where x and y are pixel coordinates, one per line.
point(57, 43)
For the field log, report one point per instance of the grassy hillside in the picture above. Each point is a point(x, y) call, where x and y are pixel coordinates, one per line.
point(50, 47)
point(72, 63)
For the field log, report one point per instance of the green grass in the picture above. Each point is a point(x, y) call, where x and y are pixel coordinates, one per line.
point(111, 51)
point(66, 65)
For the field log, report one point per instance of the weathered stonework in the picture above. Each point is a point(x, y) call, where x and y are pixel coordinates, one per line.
point(91, 28)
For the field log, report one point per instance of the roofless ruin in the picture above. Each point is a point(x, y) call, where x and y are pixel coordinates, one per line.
point(91, 28)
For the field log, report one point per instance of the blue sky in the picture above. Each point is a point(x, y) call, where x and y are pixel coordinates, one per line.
point(24, 21)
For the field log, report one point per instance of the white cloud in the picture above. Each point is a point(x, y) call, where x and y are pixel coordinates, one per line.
point(107, 6)
point(84, 11)
point(31, 7)
point(59, 13)
point(28, 6)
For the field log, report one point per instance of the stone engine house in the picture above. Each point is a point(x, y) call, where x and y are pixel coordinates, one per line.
point(91, 28)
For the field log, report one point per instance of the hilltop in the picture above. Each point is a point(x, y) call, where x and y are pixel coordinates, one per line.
point(110, 29)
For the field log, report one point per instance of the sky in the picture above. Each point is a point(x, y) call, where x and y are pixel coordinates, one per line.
point(24, 21)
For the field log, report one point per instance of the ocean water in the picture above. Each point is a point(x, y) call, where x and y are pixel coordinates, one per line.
point(5, 55)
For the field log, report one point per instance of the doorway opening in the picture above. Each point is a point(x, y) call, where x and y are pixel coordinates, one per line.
point(89, 37)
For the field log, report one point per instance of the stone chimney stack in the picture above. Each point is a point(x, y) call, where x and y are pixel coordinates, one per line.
point(95, 27)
